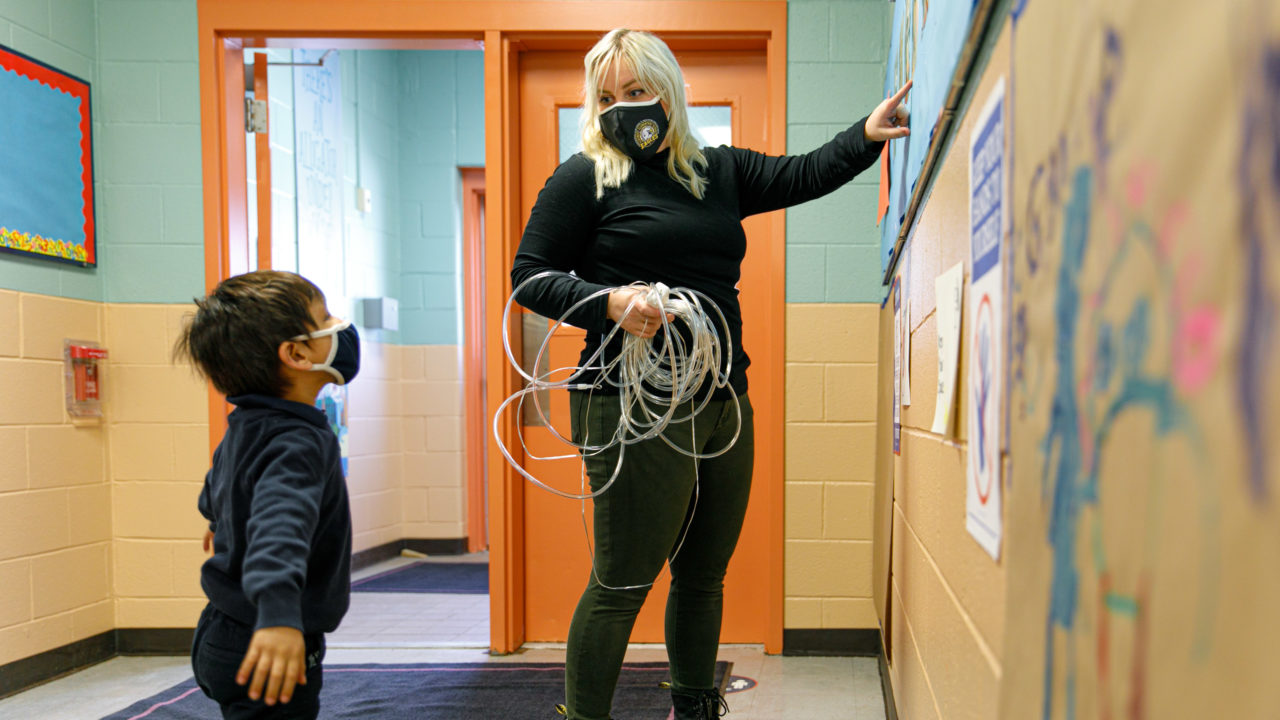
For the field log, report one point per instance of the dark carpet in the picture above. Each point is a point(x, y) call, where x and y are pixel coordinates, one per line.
point(429, 577)
point(456, 691)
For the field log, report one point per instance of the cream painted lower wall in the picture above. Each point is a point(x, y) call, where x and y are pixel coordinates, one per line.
point(55, 497)
point(407, 466)
point(158, 430)
point(830, 464)
point(435, 469)
point(98, 522)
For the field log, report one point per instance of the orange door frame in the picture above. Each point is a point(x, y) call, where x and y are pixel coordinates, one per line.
point(474, 416)
point(262, 154)
point(226, 27)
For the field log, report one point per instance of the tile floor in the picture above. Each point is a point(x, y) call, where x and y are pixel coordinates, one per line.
point(414, 619)
point(419, 628)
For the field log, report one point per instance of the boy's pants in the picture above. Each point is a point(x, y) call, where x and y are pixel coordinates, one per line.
point(216, 653)
point(638, 523)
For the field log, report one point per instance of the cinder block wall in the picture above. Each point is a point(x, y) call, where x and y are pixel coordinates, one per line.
point(55, 498)
point(836, 52)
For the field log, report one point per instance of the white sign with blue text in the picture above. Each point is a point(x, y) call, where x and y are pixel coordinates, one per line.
point(988, 210)
point(317, 103)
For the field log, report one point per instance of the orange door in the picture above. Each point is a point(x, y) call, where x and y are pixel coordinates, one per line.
point(556, 558)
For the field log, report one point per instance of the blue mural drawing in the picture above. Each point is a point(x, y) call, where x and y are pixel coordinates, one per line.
point(1143, 325)
point(1259, 172)
point(1127, 341)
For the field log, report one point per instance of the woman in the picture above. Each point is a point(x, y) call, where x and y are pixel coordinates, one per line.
point(642, 202)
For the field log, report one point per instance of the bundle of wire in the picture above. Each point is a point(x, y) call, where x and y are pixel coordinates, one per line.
point(655, 377)
point(654, 380)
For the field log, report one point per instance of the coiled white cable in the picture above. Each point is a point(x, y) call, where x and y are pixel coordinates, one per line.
point(655, 378)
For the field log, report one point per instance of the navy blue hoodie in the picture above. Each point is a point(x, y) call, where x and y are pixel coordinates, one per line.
point(277, 503)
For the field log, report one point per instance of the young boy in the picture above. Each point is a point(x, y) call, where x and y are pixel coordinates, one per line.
point(279, 520)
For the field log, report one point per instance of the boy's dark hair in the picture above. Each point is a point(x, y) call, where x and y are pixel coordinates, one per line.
point(233, 336)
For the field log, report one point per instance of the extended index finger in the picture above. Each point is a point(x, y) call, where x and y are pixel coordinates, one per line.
point(902, 93)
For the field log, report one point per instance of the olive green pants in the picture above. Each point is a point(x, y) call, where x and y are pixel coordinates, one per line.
point(639, 522)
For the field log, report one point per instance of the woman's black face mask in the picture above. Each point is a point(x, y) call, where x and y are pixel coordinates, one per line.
point(637, 129)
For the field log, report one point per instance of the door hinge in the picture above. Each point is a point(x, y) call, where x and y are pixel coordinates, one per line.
point(255, 115)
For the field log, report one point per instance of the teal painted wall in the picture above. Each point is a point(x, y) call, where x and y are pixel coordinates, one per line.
point(148, 172)
point(140, 59)
point(836, 53)
point(371, 159)
point(441, 128)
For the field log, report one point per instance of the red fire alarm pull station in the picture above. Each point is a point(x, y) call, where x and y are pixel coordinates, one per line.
point(82, 360)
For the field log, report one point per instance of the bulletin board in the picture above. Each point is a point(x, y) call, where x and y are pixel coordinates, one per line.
point(46, 162)
point(931, 44)
point(1144, 506)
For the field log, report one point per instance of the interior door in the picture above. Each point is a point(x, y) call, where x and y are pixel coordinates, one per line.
point(726, 88)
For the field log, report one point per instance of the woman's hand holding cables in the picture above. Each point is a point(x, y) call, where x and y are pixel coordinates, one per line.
point(628, 308)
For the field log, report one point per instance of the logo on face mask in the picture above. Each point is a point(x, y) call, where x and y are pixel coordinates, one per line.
point(647, 133)
point(636, 129)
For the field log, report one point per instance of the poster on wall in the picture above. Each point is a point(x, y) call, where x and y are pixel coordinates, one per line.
point(924, 47)
point(897, 365)
point(46, 162)
point(949, 290)
point(904, 278)
point(987, 211)
point(1142, 535)
point(317, 103)
point(906, 351)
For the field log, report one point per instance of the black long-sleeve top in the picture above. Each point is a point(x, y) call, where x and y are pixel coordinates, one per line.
point(277, 503)
point(651, 229)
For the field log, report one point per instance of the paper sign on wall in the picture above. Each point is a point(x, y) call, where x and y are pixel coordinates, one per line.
point(318, 143)
point(906, 351)
point(949, 291)
point(987, 211)
point(896, 290)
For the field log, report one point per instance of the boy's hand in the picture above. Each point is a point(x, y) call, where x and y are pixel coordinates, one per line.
point(208, 541)
point(276, 657)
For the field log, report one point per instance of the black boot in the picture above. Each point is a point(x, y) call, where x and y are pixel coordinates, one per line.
point(698, 704)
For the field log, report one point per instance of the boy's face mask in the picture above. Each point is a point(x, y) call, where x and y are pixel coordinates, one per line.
point(343, 362)
point(635, 128)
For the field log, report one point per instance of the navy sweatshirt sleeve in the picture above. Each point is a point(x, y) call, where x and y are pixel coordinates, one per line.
point(205, 503)
point(283, 516)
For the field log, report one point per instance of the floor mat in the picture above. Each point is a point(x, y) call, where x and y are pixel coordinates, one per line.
point(456, 691)
point(429, 577)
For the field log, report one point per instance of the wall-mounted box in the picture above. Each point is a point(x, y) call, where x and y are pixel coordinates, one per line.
point(82, 367)
point(381, 313)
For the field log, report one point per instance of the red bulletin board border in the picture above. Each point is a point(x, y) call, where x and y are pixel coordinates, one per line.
point(33, 69)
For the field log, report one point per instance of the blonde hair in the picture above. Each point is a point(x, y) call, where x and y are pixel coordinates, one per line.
point(652, 63)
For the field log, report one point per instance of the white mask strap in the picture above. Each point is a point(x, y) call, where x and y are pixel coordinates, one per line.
point(327, 366)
